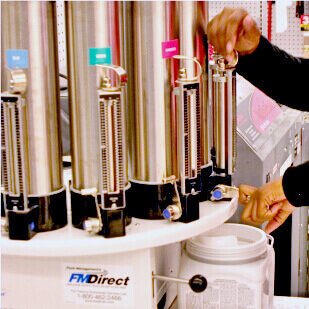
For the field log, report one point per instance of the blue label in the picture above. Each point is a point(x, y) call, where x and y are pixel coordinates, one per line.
point(17, 58)
point(100, 56)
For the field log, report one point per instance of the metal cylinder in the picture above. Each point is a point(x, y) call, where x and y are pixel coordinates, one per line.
point(153, 156)
point(95, 65)
point(150, 158)
point(32, 187)
point(193, 19)
point(90, 26)
point(219, 119)
point(31, 27)
point(224, 116)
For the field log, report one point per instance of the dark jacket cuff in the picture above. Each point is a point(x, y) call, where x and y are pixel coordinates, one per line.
point(295, 184)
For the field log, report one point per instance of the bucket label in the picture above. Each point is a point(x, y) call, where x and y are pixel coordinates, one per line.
point(225, 293)
point(17, 58)
point(170, 49)
point(100, 56)
point(107, 286)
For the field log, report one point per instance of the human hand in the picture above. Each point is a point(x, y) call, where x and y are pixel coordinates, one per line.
point(282, 211)
point(233, 29)
point(267, 203)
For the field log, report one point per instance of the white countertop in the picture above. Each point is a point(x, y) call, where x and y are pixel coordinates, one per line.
point(283, 302)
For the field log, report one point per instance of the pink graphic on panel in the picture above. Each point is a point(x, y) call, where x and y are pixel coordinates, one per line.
point(263, 110)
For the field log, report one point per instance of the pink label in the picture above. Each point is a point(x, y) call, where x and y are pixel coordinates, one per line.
point(211, 51)
point(170, 48)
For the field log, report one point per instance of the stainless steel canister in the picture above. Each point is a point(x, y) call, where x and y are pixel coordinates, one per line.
point(29, 56)
point(94, 47)
point(193, 19)
point(152, 148)
point(224, 116)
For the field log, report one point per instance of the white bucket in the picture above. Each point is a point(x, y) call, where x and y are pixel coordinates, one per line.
point(237, 261)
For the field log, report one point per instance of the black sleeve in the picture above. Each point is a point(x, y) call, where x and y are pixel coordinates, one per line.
point(281, 76)
point(295, 184)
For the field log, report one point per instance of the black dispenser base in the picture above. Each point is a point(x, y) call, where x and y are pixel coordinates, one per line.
point(113, 223)
point(23, 225)
point(147, 201)
point(44, 213)
point(190, 205)
point(84, 207)
point(205, 183)
point(209, 181)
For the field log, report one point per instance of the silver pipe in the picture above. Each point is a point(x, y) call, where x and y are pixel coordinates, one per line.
point(224, 114)
point(231, 121)
point(187, 31)
point(171, 279)
point(219, 119)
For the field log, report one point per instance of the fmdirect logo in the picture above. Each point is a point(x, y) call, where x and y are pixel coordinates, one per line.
point(97, 279)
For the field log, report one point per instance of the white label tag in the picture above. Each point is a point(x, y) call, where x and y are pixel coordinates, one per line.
point(108, 286)
point(287, 163)
point(225, 293)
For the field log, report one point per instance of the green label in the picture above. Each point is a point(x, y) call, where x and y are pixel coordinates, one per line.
point(100, 56)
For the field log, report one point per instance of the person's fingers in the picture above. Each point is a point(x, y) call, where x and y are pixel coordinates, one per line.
point(212, 28)
point(248, 23)
point(216, 30)
point(245, 193)
point(250, 27)
point(220, 41)
point(247, 198)
point(234, 27)
point(271, 226)
point(275, 208)
point(262, 211)
point(257, 212)
point(277, 220)
point(247, 219)
point(250, 36)
point(252, 223)
point(246, 215)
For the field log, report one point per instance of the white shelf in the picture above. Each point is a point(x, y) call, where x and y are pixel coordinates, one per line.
point(141, 234)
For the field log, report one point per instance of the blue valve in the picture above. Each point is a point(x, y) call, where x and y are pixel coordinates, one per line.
point(166, 214)
point(223, 191)
point(32, 226)
point(217, 194)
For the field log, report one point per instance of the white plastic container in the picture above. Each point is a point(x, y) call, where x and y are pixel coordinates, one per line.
point(237, 261)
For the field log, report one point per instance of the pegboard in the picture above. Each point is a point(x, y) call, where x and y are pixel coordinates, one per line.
point(257, 9)
point(291, 40)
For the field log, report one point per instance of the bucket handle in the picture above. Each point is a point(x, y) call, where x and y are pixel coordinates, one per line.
point(270, 240)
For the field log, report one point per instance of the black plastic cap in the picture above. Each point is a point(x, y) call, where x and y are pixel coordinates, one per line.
point(198, 283)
